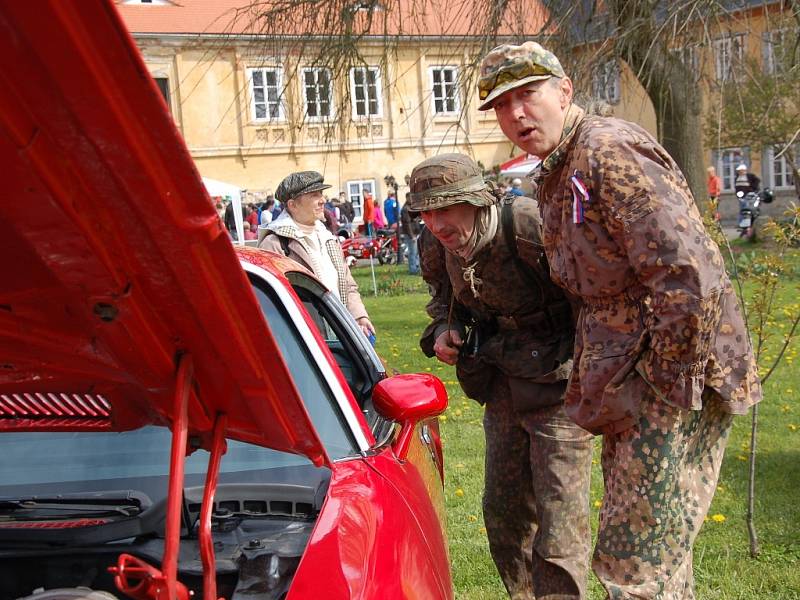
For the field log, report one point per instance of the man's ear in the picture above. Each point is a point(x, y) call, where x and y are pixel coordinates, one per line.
point(565, 86)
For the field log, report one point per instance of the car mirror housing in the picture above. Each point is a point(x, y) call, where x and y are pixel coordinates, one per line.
point(408, 399)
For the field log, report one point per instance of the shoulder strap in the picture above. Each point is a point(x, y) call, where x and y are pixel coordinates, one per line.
point(284, 244)
point(507, 222)
point(282, 240)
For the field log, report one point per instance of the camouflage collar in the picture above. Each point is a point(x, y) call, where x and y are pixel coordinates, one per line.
point(572, 119)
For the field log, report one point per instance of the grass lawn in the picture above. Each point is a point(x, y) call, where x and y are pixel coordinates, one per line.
point(723, 568)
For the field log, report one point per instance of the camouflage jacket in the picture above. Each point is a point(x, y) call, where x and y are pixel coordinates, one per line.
point(622, 232)
point(527, 319)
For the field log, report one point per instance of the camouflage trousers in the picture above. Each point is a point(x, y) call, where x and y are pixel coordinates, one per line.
point(536, 498)
point(660, 476)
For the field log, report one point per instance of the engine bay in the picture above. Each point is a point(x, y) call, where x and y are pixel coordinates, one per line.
point(259, 531)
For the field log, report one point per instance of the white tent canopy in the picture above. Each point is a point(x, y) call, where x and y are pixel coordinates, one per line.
point(220, 188)
point(520, 169)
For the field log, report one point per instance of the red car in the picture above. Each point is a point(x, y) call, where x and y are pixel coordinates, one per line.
point(179, 417)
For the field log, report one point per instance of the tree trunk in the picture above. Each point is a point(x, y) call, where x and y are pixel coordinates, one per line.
point(672, 87)
point(680, 130)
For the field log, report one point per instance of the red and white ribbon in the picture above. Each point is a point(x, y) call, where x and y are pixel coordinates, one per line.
point(579, 195)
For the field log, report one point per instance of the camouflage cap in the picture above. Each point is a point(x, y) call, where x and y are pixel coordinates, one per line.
point(445, 180)
point(508, 67)
point(302, 182)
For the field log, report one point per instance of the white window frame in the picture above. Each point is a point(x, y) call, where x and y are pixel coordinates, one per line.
point(278, 71)
point(729, 57)
point(606, 82)
point(727, 160)
point(355, 193)
point(771, 40)
point(378, 91)
point(780, 173)
point(455, 96)
point(331, 108)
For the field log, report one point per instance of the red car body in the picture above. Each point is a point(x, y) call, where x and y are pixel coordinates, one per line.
point(124, 309)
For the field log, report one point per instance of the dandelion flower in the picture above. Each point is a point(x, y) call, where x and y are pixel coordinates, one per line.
point(718, 518)
point(598, 504)
point(460, 493)
point(472, 518)
point(792, 427)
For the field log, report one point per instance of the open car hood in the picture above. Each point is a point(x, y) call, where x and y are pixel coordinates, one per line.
point(113, 262)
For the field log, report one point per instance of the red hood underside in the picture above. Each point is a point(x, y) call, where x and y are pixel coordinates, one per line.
point(113, 261)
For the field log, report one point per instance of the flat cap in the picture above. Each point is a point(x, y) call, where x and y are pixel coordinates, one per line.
point(302, 182)
point(509, 66)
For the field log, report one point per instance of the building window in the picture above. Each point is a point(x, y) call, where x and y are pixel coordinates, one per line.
point(777, 50)
point(163, 86)
point(265, 91)
point(317, 93)
point(355, 191)
point(727, 159)
point(729, 57)
point(444, 84)
point(780, 171)
point(605, 82)
point(365, 90)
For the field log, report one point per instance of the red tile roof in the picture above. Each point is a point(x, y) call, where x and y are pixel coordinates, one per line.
point(405, 17)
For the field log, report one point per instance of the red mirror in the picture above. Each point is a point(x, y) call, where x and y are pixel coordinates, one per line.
point(408, 399)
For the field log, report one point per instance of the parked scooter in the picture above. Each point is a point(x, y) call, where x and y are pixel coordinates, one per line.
point(749, 210)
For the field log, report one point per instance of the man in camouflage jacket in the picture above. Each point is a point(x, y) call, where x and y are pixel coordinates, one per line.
point(487, 273)
point(662, 355)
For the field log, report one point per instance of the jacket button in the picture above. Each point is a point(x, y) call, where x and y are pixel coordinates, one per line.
point(535, 353)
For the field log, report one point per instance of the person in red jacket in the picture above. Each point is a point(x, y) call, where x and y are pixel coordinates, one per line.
point(369, 214)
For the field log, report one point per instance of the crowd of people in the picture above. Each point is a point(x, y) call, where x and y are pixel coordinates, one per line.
point(601, 307)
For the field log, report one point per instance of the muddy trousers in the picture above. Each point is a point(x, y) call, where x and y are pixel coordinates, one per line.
point(536, 499)
point(660, 476)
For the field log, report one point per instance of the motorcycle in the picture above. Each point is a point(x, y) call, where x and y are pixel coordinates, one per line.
point(749, 210)
point(388, 245)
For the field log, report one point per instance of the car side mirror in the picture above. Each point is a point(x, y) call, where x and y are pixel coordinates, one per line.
point(408, 399)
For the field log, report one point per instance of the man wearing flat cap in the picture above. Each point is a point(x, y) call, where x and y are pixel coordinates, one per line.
point(299, 234)
point(509, 331)
point(662, 355)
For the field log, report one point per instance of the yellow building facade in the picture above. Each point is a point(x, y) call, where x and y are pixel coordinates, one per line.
point(251, 112)
point(250, 119)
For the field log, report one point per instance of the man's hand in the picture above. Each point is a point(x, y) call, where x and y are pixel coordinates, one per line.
point(447, 346)
point(366, 326)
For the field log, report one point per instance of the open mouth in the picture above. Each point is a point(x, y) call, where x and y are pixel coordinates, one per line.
point(526, 133)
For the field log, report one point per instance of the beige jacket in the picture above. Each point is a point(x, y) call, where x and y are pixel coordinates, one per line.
point(286, 228)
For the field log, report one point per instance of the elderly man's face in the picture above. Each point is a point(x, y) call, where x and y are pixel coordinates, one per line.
point(451, 225)
point(307, 208)
point(532, 116)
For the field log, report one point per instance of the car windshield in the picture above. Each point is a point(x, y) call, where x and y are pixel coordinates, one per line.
point(84, 462)
point(36, 463)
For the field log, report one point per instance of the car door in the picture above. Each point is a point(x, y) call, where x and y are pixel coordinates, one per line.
point(416, 483)
point(363, 368)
